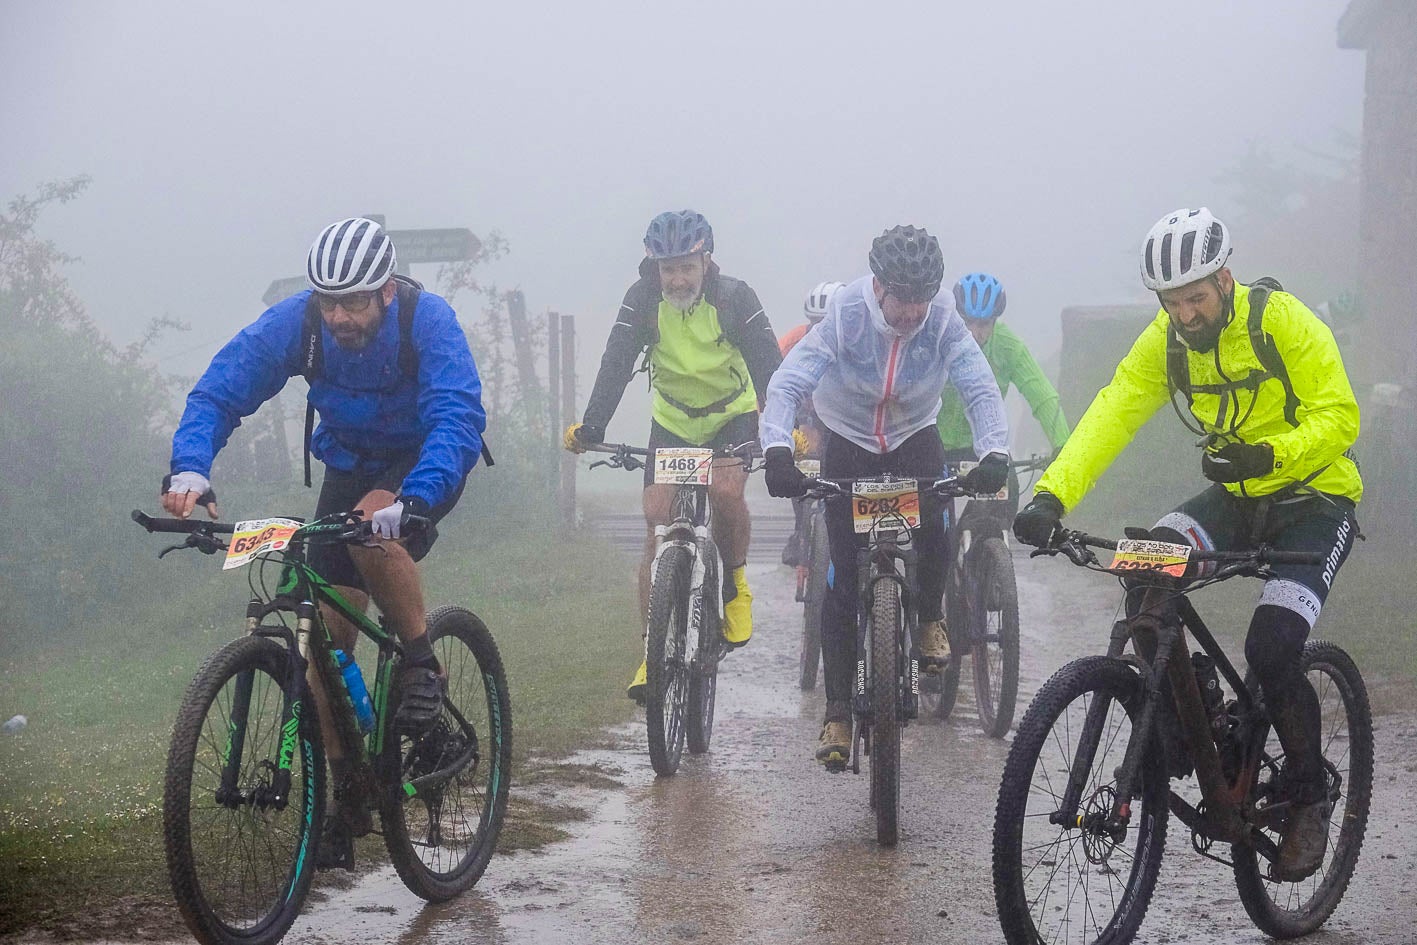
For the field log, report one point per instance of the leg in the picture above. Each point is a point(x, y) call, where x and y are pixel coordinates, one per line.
point(658, 502)
point(344, 635)
point(923, 456)
point(731, 531)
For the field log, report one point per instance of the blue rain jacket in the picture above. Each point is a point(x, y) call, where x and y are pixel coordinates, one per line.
point(369, 411)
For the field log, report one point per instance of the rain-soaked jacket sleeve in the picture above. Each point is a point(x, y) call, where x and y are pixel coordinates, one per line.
point(795, 379)
point(627, 339)
point(972, 376)
point(249, 370)
point(449, 405)
point(1042, 397)
point(1137, 390)
point(1328, 411)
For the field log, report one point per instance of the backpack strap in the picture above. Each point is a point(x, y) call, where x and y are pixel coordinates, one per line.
point(1265, 348)
point(312, 366)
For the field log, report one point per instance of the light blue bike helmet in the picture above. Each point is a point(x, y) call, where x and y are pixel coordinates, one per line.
point(980, 296)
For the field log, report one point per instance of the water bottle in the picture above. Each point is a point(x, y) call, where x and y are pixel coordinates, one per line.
point(358, 694)
point(1211, 694)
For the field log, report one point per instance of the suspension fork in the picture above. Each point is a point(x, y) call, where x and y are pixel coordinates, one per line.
point(1151, 633)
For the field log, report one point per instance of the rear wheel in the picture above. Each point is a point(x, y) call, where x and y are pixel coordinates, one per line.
point(993, 612)
point(240, 850)
point(818, 559)
point(1286, 910)
point(443, 812)
point(667, 658)
point(705, 640)
point(885, 634)
point(1067, 876)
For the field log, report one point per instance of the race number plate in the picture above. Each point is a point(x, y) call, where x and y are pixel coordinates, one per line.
point(682, 466)
point(887, 503)
point(810, 467)
point(1161, 556)
point(1003, 493)
point(252, 538)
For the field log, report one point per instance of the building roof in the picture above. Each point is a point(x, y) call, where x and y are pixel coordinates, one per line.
point(1363, 22)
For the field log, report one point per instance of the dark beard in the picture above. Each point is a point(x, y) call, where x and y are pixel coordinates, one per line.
point(1203, 340)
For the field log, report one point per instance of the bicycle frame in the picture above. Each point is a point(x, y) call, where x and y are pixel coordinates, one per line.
point(1158, 633)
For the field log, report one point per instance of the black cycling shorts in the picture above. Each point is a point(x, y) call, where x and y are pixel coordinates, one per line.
point(1218, 520)
point(342, 492)
point(737, 431)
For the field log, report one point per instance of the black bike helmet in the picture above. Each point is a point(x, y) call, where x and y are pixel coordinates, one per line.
point(909, 263)
point(678, 233)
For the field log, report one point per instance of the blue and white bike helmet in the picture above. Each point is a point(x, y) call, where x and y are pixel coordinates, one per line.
point(980, 296)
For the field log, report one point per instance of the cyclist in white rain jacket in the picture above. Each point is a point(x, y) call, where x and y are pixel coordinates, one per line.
point(874, 369)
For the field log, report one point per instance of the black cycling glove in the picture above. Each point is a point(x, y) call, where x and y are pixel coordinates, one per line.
point(989, 476)
point(1236, 462)
point(784, 479)
point(1038, 520)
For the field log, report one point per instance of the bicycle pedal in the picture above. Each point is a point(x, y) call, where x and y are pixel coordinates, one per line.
point(835, 766)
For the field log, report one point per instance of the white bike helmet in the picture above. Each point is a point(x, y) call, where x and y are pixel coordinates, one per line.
point(1183, 247)
point(353, 255)
point(815, 308)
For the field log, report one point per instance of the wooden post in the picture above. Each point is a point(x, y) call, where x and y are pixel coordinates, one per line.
point(553, 388)
point(568, 417)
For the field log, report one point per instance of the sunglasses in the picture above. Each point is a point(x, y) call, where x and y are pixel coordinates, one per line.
point(355, 303)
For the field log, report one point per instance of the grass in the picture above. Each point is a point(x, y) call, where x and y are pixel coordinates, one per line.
point(81, 786)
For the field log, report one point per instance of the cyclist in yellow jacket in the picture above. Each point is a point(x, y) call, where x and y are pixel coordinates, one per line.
point(710, 352)
point(1263, 383)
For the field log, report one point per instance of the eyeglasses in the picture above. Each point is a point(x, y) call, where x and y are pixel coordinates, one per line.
point(912, 294)
point(355, 303)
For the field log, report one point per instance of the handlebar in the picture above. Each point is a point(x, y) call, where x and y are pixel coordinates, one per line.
point(821, 488)
point(202, 535)
point(625, 456)
point(1075, 546)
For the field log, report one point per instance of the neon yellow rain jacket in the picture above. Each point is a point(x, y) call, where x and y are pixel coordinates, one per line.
point(1327, 414)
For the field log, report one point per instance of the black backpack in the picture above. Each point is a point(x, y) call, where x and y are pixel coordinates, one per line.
point(1178, 371)
point(313, 349)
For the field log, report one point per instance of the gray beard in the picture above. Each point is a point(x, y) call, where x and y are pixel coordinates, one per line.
point(682, 302)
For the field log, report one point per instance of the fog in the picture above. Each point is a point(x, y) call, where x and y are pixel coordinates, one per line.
point(1038, 140)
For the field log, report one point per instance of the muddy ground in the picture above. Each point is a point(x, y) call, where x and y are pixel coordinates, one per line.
point(754, 843)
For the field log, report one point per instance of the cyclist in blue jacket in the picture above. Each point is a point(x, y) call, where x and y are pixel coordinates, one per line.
point(398, 436)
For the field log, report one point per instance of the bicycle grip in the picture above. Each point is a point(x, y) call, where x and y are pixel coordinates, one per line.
point(179, 526)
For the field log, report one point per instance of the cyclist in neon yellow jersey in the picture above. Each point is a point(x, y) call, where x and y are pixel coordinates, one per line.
point(710, 352)
point(1264, 385)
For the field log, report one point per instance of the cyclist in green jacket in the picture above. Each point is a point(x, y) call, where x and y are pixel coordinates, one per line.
point(710, 352)
point(980, 300)
point(1266, 388)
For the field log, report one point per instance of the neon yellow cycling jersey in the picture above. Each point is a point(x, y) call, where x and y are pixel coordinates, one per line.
point(692, 368)
point(1327, 414)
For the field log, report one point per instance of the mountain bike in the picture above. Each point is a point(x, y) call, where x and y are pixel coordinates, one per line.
point(981, 604)
point(886, 510)
point(683, 629)
point(1081, 819)
point(812, 582)
point(244, 791)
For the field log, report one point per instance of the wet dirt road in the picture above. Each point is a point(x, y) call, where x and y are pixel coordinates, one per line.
point(754, 843)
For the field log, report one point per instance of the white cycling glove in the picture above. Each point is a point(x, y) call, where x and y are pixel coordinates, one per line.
point(388, 521)
point(189, 482)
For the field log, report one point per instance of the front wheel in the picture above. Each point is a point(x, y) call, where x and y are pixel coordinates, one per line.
point(1068, 875)
point(993, 612)
point(1287, 910)
point(667, 660)
point(443, 813)
point(243, 796)
point(884, 631)
point(706, 637)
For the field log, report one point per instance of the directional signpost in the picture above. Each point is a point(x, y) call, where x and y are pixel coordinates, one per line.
point(412, 246)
